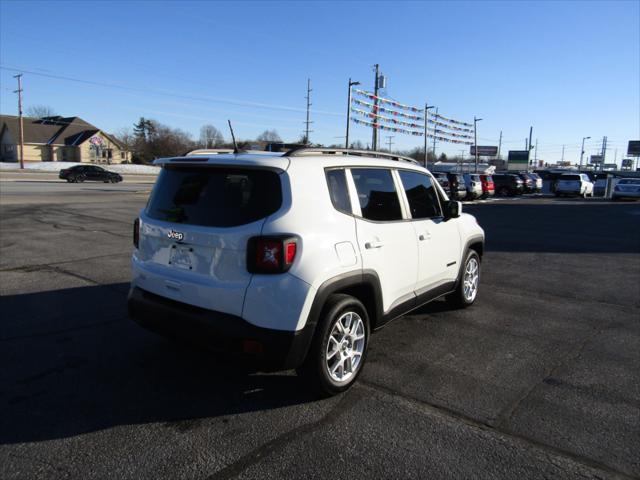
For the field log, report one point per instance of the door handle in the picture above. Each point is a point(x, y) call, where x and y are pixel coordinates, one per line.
point(424, 236)
point(373, 244)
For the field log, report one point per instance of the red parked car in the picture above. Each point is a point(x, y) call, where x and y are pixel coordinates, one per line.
point(488, 188)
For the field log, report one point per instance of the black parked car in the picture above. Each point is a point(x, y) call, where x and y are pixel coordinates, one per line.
point(80, 173)
point(508, 184)
point(457, 186)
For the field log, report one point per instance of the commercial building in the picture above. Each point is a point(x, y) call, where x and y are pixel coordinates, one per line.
point(61, 139)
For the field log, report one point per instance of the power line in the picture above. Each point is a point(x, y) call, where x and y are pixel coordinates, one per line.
point(167, 93)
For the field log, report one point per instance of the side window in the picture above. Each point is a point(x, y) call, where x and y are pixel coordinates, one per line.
point(377, 194)
point(422, 195)
point(338, 191)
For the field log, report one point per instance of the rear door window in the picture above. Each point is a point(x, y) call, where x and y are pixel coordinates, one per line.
point(377, 194)
point(421, 194)
point(214, 197)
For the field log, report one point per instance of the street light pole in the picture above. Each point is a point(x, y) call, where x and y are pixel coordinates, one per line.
point(426, 121)
point(475, 139)
point(351, 84)
point(582, 149)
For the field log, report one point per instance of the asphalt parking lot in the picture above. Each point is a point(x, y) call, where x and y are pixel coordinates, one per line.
point(539, 379)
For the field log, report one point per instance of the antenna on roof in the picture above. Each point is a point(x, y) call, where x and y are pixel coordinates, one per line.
point(233, 137)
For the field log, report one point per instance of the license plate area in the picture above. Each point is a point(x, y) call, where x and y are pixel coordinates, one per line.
point(181, 257)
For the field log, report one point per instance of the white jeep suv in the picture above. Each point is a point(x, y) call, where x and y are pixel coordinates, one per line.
point(296, 258)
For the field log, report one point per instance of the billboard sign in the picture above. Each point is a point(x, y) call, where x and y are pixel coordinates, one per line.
point(627, 163)
point(633, 150)
point(485, 151)
point(518, 160)
point(596, 159)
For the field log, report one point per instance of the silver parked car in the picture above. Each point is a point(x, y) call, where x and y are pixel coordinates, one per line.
point(626, 188)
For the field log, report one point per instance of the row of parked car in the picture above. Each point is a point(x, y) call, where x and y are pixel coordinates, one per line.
point(471, 186)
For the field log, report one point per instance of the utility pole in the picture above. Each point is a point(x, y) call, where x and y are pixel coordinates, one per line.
point(20, 123)
point(562, 153)
point(499, 144)
point(604, 151)
point(308, 122)
point(530, 146)
point(426, 122)
point(351, 84)
point(389, 141)
point(434, 139)
point(475, 139)
point(374, 137)
point(535, 158)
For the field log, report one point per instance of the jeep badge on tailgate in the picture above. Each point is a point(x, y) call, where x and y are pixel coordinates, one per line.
point(173, 235)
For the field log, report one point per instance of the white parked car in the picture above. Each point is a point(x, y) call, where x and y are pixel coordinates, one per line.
point(574, 184)
point(474, 186)
point(296, 258)
point(626, 188)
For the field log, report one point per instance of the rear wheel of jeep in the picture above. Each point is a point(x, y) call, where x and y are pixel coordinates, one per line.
point(339, 348)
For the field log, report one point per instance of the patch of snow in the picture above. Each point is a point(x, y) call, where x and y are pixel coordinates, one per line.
point(57, 166)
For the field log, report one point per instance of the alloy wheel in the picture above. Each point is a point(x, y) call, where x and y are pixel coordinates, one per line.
point(345, 347)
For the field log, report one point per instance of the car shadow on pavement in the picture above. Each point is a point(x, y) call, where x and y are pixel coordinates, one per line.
point(73, 363)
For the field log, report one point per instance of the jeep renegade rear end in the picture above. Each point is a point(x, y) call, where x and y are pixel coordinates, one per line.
point(294, 259)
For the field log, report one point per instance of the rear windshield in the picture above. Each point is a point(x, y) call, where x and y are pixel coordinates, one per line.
point(214, 197)
point(570, 177)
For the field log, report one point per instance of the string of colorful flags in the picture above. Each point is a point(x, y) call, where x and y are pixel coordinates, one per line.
point(408, 132)
point(388, 101)
point(448, 127)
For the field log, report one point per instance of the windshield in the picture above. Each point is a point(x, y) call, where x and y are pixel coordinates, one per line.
point(570, 177)
point(630, 181)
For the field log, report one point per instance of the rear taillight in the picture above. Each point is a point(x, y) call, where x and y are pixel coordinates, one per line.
point(273, 254)
point(136, 232)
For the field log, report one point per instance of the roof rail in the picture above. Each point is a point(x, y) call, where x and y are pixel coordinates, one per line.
point(298, 152)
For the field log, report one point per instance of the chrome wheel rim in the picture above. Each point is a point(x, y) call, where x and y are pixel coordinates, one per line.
point(345, 347)
point(471, 277)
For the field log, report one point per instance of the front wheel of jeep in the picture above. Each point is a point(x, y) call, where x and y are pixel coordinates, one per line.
point(339, 348)
point(468, 283)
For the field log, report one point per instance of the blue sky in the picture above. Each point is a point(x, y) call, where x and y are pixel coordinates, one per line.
point(570, 69)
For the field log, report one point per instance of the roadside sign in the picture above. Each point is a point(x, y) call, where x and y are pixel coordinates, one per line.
point(518, 160)
point(627, 163)
point(596, 159)
point(485, 151)
point(633, 150)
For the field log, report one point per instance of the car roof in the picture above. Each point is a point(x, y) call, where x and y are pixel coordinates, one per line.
point(282, 161)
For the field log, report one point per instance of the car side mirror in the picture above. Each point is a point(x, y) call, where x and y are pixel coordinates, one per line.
point(452, 209)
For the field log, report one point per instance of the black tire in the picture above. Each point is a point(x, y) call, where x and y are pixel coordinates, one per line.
point(315, 369)
point(69, 180)
point(80, 178)
point(504, 191)
point(457, 299)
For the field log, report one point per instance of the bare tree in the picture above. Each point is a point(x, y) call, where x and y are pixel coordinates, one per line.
point(126, 137)
point(40, 111)
point(269, 136)
point(210, 136)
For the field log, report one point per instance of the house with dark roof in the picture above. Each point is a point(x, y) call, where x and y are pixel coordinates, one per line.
point(62, 139)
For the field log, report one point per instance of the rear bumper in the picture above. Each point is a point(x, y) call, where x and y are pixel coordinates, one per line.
point(221, 332)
